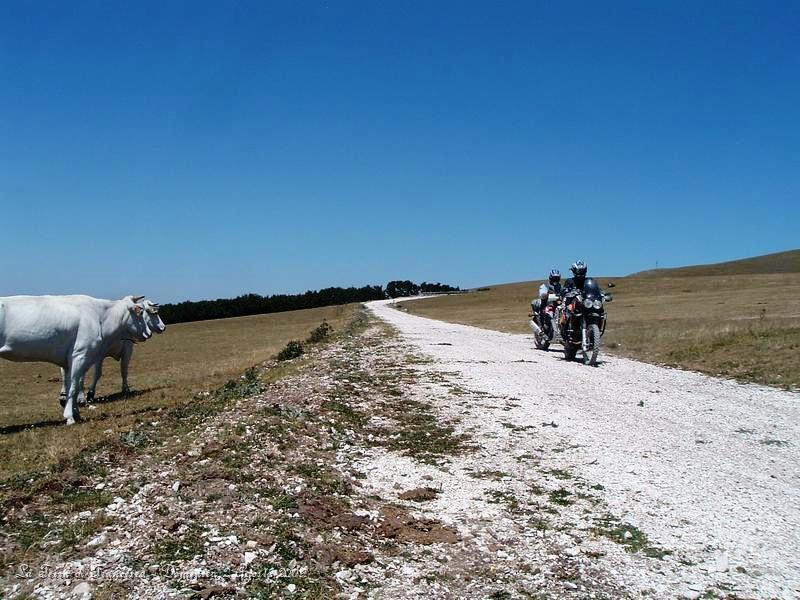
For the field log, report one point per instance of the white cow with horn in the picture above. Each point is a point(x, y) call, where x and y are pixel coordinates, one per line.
point(122, 352)
point(73, 332)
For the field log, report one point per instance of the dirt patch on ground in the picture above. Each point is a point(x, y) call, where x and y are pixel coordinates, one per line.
point(419, 494)
point(398, 524)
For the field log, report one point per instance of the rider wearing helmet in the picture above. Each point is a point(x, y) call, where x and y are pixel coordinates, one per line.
point(574, 285)
point(555, 281)
point(553, 286)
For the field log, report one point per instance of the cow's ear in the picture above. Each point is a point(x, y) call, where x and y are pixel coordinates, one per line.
point(137, 309)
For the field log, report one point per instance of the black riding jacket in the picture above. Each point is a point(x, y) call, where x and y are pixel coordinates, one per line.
point(572, 287)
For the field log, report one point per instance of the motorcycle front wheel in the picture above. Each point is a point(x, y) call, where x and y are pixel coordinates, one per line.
point(590, 354)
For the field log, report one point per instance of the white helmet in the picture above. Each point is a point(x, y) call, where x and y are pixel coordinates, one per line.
point(578, 268)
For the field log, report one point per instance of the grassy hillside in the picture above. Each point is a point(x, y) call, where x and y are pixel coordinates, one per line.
point(780, 262)
point(165, 372)
point(745, 326)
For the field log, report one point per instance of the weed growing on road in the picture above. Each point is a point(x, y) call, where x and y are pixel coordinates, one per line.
point(632, 538)
point(560, 497)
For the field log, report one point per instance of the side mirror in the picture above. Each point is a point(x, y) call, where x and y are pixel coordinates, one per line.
point(609, 298)
point(611, 284)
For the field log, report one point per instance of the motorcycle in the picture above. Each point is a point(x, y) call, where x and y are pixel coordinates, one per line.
point(583, 322)
point(545, 326)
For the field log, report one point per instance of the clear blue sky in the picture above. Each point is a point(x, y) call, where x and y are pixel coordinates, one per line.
point(198, 150)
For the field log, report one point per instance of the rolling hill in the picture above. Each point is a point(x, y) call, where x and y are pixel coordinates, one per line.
point(779, 262)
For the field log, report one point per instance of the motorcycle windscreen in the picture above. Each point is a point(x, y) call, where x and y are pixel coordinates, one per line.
point(590, 288)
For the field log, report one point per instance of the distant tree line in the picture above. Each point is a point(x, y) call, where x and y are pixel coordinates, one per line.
point(255, 304)
point(403, 289)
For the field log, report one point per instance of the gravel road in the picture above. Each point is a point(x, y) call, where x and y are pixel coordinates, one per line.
point(707, 468)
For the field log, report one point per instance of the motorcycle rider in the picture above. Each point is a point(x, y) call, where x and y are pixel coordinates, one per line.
point(555, 281)
point(553, 286)
point(574, 285)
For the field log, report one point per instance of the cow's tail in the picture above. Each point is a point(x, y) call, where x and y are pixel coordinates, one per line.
point(2, 323)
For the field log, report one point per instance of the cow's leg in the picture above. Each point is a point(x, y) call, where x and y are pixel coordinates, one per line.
point(77, 371)
point(81, 395)
point(127, 352)
point(98, 373)
point(62, 397)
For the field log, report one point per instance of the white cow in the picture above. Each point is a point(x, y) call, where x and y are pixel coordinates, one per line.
point(122, 352)
point(73, 332)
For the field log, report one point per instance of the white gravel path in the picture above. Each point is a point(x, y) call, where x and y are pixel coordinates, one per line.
point(705, 467)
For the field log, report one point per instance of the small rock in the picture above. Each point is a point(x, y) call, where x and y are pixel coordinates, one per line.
point(176, 486)
point(721, 565)
point(252, 544)
point(627, 535)
point(344, 575)
point(85, 514)
point(291, 588)
point(82, 590)
point(570, 586)
point(171, 525)
point(96, 541)
point(100, 486)
point(691, 594)
point(211, 591)
point(249, 557)
point(695, 587)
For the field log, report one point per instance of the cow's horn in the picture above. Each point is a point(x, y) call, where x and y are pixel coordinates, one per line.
point(137, 298)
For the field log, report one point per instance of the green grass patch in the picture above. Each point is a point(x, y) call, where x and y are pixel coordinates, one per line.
point(632, 538)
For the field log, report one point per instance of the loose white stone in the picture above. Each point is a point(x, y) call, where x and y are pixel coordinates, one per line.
point(96, 541)
point(721, 564)
point(82, 590)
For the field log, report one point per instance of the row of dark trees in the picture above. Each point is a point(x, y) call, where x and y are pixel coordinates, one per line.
point(403, 289)
point(254, 304)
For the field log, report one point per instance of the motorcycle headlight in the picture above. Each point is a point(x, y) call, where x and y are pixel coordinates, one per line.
point(598, 304)
point(587, 303)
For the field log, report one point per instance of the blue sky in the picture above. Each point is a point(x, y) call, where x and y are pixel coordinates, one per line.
point(197, 150)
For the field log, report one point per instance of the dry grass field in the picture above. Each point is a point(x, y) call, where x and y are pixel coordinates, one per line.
point(711, 318)
point(165, 372)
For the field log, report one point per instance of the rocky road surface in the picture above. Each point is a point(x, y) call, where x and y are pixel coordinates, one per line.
point(704, 472)
point(410, 458)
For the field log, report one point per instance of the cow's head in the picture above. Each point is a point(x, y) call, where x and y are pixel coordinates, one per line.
point(137, 326)
point(152, 317)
